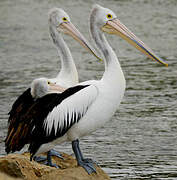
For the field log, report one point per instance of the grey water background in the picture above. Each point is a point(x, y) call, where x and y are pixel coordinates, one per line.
point(140, 142)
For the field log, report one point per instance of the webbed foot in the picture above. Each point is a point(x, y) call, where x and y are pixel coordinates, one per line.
point(39, 158)
point(87, 164)
point(55, 153)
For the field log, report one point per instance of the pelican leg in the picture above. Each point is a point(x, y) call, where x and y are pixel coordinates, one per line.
point(89, 160)
point(42, 158)
point(39, 158)
point(87, 165)
point(55, 153)
point(49, 160)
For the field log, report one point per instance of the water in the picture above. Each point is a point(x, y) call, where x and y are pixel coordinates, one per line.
point(140, 142)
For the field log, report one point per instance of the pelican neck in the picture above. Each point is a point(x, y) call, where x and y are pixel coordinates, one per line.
point(68, 68)
point(112, 66)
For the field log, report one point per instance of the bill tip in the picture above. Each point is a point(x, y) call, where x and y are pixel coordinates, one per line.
point(166, 65)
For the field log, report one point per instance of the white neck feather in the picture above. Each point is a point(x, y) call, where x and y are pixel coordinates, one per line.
point(68, 73)
point(113, 72)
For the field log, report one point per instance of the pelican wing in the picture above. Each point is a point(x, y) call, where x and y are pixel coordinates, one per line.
point(25, 113)
point(21, 103)
point(66, 109)
point(19, 108)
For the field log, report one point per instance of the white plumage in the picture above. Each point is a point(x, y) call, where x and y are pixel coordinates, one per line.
point(67, 111)
point(68, 75)
point(82, 109)
point(59, 23)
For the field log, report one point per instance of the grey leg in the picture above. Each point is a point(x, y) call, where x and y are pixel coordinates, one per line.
point(89, 160)
point(50, 153)
point(39, 158)
point(87, 165)
point(55, 153)
point(49, 160)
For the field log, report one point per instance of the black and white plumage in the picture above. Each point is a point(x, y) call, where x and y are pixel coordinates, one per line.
point(52, 128)
point(39, 87)
point(59, 23)
point(79, 111)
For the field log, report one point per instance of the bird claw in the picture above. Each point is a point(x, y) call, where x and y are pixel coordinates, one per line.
point(55, 153)
point(51, 164)
point(88, 166)
point(39, 158)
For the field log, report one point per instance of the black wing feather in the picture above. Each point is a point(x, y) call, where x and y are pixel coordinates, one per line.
point(39, 111)
point(22, 102)
point(19, 108)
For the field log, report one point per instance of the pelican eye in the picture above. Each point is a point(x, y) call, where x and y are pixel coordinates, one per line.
point(109, 16)
point(64, 19)
point(48, 82)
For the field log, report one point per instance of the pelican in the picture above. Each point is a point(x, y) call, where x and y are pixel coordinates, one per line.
point(39, 88)
point(82, 109)
point(59, 23)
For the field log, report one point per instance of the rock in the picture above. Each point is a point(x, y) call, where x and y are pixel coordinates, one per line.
point(6, 177)
point(19, 166)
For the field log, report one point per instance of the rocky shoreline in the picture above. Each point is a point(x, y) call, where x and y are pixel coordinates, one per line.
point(18, 166)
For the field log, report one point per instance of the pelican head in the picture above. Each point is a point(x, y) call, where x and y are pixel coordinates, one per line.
point(108, 22)
point(43, 86)
point(57, 17)
point(60, 20)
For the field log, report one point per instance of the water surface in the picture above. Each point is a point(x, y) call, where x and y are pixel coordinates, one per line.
point(140, 142)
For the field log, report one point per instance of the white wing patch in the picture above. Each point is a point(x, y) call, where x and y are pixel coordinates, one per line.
point(70, 110)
